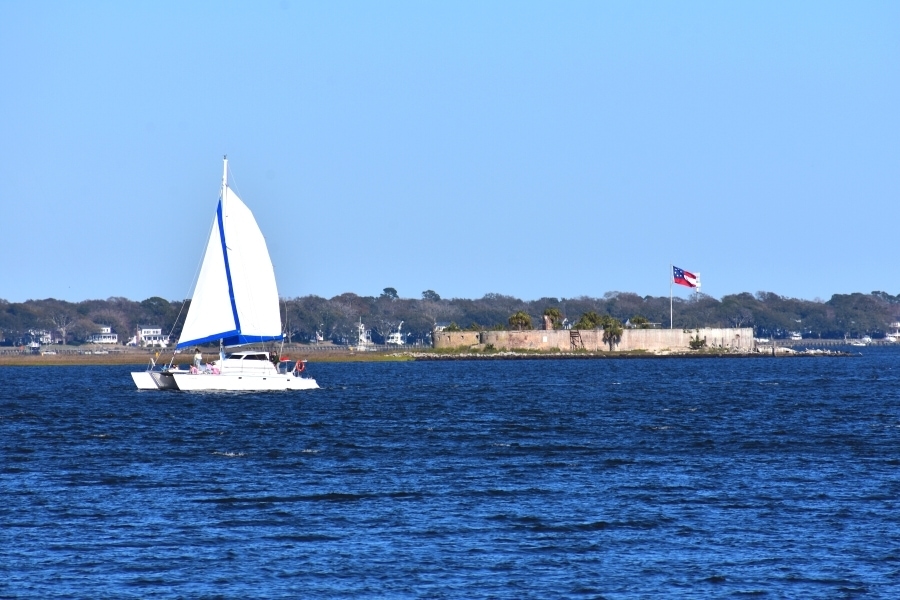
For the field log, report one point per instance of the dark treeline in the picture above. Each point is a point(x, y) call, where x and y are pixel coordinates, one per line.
point(336, 319)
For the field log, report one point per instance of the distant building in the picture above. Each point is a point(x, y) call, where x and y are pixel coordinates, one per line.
point(41, 336)
point(151, 337)
point(106, 336)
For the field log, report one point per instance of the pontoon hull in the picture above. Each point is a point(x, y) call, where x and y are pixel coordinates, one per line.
point(144, 381)
point(154, 380)
point(195, 382)
point(164, 380)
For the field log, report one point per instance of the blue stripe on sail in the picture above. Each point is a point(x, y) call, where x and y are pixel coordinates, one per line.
point(210, 338)
point(231, 338)
point(237, 322)
point(240, 339)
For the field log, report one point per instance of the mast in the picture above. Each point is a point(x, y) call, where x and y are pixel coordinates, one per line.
point(224, 175)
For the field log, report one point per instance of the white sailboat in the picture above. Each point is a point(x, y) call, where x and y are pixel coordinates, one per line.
point(235, 302)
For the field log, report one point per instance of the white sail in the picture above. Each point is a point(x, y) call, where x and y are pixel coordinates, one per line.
point(252, 274)
point(236, 298)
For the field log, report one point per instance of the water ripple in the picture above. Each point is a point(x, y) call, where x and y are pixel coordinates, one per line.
point(521, 479)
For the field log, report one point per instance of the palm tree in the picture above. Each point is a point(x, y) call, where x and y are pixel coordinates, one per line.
point(612, 331)
point(640, 322)
point(612, 327)
point(520, 320)
point(589, 320)
point(555, 316)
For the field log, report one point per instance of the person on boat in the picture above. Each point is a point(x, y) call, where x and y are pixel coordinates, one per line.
point(198, 358)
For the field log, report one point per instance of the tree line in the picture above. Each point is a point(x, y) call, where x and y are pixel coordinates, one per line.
point(307, 319)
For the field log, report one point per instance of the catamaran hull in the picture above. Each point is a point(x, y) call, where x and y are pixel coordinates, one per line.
point(196, 382)
point(144, 381)
point(154, 380)
point(165, 381)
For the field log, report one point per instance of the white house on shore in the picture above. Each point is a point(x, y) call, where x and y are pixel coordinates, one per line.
point(106, 336)
point(41, 336)
point(152, 337)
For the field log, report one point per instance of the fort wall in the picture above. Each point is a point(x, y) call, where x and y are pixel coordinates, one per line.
point(455, 339)
point(736, 339)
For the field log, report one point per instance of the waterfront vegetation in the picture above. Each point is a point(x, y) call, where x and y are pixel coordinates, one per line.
point(336, 319)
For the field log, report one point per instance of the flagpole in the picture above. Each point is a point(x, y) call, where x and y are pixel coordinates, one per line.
point(671, 278)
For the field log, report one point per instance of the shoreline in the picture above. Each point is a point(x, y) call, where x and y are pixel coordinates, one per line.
point(141, 360)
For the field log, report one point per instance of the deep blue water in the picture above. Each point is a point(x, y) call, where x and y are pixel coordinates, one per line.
point(519, 479)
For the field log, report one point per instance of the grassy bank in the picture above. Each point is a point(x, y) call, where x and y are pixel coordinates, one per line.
point(143, 358)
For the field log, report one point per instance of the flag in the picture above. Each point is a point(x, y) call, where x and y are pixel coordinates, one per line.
point(682, 277)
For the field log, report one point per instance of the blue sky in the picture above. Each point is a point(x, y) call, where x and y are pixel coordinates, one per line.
point(530, 149)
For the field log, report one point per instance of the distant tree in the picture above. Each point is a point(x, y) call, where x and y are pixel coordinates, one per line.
point(640, 322)
point(82, 328)
point(737, 310)
point(384, 328)
point(769, 314)
point(555, 316)
point(860, 313)
point(427, 313)
point(62, 321)
point(345, 314)
point(589, 320)
point(612, 331)
point(887, 297)
point(452, 327)
point(158, 310)
point(520, 320)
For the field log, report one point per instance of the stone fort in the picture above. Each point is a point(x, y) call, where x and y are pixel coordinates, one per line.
point(569, 340)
